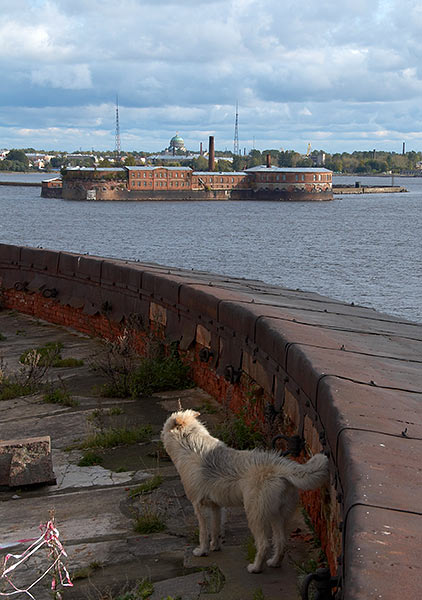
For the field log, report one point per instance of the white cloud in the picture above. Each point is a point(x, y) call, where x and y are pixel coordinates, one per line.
point(331, 71)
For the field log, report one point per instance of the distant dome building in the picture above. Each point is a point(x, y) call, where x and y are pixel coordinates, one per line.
point(176, 144)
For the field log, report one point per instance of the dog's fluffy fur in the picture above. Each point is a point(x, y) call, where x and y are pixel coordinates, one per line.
point(215, 476)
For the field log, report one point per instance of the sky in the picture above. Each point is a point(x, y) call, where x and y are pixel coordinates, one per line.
point(342, 75)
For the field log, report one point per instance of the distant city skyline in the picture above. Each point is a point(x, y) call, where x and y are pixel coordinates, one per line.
point(341, 75)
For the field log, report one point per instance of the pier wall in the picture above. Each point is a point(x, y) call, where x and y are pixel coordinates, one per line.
point(345, 378)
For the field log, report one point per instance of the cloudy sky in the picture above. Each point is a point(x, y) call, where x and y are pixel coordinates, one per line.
point(340, 74)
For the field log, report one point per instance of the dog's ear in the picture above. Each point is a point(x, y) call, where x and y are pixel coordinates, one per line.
point(177, 423)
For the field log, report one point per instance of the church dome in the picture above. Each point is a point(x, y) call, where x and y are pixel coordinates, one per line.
point(177, 142)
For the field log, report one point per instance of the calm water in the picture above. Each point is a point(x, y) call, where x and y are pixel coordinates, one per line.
point(365, 249)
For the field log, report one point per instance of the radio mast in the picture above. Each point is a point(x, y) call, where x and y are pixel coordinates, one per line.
point(236, 132)
point(117, 136)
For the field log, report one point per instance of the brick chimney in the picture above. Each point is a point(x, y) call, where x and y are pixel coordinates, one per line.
point(268, 161)
point(211, 154)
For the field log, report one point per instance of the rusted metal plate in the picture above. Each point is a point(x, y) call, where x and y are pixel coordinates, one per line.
point(9, 255)
point(188, 331)
point(229, 361)
point(309, 364)
point(382, 555)
point(345, 404)
point(39, 259)
point(80, 266)
point(380, 470)
point(365, 343)
point(204, 300)
point(355, 321)
point(239, 317)
point(164, 288)
point(122, 276)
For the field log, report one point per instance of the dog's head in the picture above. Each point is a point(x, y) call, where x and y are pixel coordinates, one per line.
point(178, 421)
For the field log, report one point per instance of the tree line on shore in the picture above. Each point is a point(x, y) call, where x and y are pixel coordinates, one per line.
point(372, 162)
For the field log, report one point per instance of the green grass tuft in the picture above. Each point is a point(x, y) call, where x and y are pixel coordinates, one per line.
point(68, 363)
point(109, 438)
point(151, 375)
point(238, 433)
point(146, 487)
point(60, 396)
point(149, 521)
point(12, 389)
point(48, 354)
point(90, 458)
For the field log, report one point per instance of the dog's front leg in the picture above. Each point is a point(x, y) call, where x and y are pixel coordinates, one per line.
point(204, 542)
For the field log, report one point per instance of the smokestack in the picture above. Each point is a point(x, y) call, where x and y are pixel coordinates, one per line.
point(268, 161)
point(211, 154)
point(404, 148)
point(200, 150)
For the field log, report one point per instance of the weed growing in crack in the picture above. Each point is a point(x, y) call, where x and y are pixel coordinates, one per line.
point(23, 383)
point(148, 520)
point(128, 375)
point(90, 458)
point(50, 356)
point(146, 487)
point(239, 432)
point(59, 395)
point(214, 580)
point(119, 436)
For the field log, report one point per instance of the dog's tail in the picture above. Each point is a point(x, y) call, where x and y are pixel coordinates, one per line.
point(310, 475)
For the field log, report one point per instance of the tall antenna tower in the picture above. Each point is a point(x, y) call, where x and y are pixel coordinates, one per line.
point(236, 132)
point(117, 136)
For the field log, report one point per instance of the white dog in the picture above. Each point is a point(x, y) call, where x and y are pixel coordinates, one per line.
point(216, 476)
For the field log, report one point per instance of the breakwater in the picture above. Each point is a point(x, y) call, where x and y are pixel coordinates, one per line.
point(345, 379)
point(21, 183)
point(367, 189)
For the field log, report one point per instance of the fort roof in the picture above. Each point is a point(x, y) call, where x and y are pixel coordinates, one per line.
point(264, 168)
point(152, 168)
point(226, 173)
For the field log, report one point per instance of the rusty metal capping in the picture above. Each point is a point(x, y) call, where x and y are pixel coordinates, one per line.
point(80, 267)
point(381, 554)
point(309, 364)
point(121, 276)
point(354, 322)
point(188, 332)
point(39, 259)
point(9, 255)
point(239, 317)
point(380, 470)
point(200, 299)
point(164, 288)
point(365, 343)
point(173, 332)
point(345, 404)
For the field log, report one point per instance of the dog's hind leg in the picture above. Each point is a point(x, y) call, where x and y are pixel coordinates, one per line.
point(279, 540)
point(204, 542)
point(256, 525)
point(216, 527)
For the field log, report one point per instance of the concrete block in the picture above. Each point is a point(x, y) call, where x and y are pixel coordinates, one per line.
point(26, 461)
